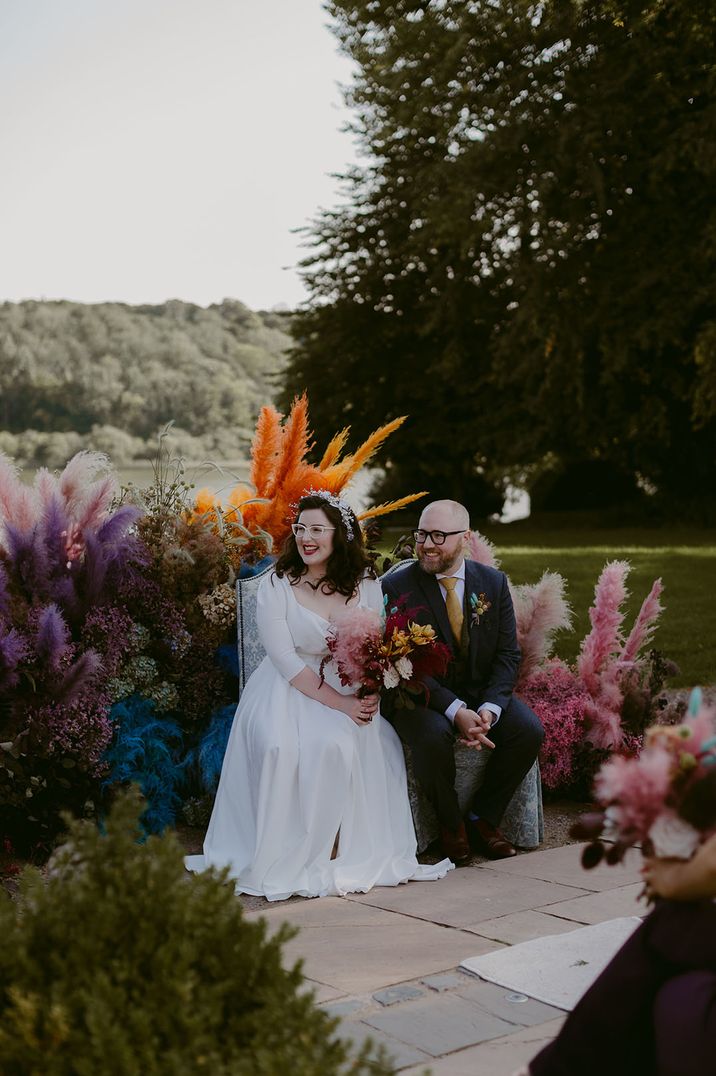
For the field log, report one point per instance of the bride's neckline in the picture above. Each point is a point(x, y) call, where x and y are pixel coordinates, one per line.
point(326, 620)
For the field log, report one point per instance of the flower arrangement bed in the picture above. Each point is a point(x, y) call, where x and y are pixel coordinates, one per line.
point(118, 647)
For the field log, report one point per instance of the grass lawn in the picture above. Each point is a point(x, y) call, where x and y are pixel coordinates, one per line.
point(684, 559)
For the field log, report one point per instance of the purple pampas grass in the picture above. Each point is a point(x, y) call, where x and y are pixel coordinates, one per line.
point(79, 677)
point(55, 529)
point(116, 527)
point(94, 570)
point(52, 637)
point(27, 559)
point(13, 650)
point(4, 592)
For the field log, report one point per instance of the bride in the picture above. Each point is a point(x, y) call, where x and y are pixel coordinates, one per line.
point(312, 798)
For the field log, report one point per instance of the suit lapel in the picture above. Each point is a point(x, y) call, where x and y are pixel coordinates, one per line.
point(472, 586)
point(431, 589)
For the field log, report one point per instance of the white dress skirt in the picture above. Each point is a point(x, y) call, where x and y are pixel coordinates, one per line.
point(296, 773)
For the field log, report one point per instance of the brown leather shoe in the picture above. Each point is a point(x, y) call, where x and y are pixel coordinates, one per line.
point(455, 844)
point(488, 841)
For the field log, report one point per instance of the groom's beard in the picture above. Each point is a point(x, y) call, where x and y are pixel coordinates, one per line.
point(439, 563)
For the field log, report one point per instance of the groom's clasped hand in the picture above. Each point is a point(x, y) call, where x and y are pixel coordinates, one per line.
point(472, 728)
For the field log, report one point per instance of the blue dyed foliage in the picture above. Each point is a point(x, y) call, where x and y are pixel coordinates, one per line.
point(146, 750)
point(208, 756)
point(226, 657)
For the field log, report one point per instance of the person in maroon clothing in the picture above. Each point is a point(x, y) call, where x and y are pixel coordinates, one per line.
point(652, 1011)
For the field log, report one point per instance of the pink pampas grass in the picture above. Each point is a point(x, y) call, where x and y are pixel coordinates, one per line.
point(482, 550)
point(77, 483)
point(606, 616)
point(17, 503)
point(644, 625)
point(541, 609)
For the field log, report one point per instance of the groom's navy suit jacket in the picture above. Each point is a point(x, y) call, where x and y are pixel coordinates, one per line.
point(487, 669)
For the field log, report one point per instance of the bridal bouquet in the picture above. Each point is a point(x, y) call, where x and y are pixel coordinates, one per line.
point(664, 799)
point(385, 651)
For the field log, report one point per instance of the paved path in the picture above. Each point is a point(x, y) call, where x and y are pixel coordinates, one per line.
point(386, 962)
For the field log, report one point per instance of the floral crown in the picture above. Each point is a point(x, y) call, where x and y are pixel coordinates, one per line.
point(335, 502)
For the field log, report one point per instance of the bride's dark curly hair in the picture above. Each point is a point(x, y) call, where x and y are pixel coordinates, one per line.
point(348, 562)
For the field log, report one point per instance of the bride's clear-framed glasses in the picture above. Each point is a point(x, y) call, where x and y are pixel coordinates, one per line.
point(316, 530)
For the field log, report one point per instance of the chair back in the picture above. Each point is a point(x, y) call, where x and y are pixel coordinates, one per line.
point(397, 565)
point(250, 647)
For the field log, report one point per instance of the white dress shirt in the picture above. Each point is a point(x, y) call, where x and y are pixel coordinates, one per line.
point(459, 574)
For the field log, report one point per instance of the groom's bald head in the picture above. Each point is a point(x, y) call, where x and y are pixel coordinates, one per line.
point(454, 515)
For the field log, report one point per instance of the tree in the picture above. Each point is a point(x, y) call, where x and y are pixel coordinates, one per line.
point(117, 963)
point(525, 263)
point(112, 375)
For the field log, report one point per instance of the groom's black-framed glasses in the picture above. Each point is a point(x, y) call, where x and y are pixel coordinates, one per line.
point(436, 537)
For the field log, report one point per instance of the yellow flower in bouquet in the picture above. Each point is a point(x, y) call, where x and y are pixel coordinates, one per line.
point(421, 634)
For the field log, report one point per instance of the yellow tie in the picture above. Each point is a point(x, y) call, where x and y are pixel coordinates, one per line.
point(454, 609)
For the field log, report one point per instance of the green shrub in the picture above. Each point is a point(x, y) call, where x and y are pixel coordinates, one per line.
point(118, 963)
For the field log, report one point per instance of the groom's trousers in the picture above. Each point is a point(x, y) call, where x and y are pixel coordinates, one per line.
point(517, 736)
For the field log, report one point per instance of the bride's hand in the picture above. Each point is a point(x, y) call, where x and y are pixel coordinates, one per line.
point(361, 711)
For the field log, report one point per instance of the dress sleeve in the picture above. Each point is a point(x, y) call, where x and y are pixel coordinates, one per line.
point(274, 632)
point(371, 594)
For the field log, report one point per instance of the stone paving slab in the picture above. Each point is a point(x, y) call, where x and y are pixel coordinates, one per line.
point(401, 1053)
point(356, 949)
point(507, 1004)
point(321, 992)
point(597, 907)
point(563, 866)
point(437, 1016)
point(524, 926)
point(439, 1025)
point(385, 963)
point(465, 897)
point(496, 1057)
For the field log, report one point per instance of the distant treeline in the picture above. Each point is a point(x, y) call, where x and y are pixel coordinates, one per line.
point(109, 376)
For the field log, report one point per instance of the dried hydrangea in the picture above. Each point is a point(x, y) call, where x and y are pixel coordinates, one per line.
point(219, 605)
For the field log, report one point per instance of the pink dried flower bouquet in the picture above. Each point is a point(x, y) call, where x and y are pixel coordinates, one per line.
point(664, 799)
point(391, 652)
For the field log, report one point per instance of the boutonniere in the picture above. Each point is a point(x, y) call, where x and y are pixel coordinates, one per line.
point(479, 605)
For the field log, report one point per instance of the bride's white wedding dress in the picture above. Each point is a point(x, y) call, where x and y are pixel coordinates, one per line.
point(297, 772)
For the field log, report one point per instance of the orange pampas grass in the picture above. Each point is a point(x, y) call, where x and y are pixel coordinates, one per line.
point(341, 473)
point(281, 474)
point(391, 506)
point(265, 448)
point(333, 451)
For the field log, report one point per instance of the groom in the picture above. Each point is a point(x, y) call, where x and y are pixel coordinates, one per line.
point(469, 606)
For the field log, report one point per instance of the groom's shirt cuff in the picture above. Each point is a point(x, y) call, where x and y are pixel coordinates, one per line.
point(493, 708)
point(457, 703)
point(453, 709)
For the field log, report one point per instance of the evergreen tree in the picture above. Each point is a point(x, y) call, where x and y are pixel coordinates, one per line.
point(119, 963)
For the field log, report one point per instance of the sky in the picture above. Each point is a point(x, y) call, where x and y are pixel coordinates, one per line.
point(165, 149)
